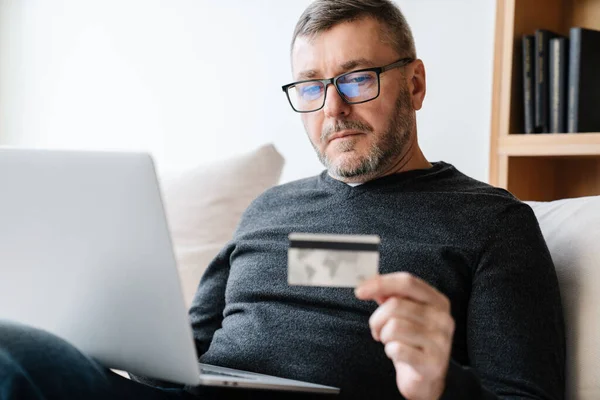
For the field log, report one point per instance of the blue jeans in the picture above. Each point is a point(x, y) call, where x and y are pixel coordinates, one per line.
point(36, 365)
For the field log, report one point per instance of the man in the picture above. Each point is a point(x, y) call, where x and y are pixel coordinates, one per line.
point(467, 305)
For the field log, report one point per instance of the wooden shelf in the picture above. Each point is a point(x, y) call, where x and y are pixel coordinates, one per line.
point(541, 167)
point(556, 144)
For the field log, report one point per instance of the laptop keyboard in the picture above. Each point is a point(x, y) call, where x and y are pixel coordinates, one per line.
point(210, 372)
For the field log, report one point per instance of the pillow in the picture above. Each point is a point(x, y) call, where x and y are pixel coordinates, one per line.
point(571, 228)
point(204, 205)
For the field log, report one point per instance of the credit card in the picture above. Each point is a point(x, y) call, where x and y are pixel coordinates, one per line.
point(331, 259)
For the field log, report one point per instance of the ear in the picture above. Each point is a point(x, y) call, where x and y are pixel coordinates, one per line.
point(417, 83)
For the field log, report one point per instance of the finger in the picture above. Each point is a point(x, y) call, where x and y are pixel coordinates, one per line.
point(411, 334)
point(405, 285)
point(401, 352)
point(425, 365)
point(400, 308)
point(440, 323)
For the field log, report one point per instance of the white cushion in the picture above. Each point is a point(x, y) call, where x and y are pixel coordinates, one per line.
point(571, 228)
point(204, 206)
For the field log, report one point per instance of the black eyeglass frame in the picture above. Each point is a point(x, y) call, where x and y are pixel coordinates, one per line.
point(333, 81)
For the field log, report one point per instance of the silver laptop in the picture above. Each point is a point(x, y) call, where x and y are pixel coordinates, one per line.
point(85, 253)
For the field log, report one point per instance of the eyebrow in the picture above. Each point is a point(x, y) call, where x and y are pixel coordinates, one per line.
point(345, 67)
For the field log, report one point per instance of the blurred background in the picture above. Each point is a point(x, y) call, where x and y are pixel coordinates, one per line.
point(194, 81)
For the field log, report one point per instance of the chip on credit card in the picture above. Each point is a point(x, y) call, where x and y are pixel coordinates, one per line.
point(332, 259)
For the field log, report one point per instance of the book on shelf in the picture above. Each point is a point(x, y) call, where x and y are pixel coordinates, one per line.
point(584, 81)
point(558, 59)
point(528, 43)
point(561, 81)
point(542, 87)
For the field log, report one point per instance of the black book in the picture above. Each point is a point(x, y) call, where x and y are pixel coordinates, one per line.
point(584, 81)
point(528, 86)
point(542, 88)
point(558, 84)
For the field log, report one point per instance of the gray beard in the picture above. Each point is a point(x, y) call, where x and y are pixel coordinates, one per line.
point(384, 152)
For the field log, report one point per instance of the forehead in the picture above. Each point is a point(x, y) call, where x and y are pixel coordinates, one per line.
point(325, 53)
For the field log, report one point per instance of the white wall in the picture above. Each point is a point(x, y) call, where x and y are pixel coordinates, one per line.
point(196, 80)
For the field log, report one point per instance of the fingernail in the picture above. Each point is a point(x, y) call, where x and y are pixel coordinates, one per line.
point(360, 291)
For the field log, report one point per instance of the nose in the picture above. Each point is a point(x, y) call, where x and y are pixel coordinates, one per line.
point(335, 106)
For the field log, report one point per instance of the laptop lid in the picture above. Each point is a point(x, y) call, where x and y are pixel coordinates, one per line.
point(85, 253)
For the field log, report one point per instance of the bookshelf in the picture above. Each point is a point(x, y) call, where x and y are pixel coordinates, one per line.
point(540, 167)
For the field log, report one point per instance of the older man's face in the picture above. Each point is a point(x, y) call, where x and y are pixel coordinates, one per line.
point(375, 133)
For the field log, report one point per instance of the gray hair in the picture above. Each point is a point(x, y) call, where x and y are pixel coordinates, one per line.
point(322, 15)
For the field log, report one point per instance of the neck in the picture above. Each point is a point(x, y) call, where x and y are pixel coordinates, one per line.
point(412, 159)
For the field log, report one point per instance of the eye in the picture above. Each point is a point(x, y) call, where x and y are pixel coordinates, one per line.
point(358, 79)
point(311, 91)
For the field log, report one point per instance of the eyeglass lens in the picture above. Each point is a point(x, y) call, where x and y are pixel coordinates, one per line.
point(355, 87)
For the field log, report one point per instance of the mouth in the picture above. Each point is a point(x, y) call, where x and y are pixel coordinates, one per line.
point(344, 134)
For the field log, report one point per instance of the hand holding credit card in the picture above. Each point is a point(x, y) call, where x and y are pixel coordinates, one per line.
point(331, 259)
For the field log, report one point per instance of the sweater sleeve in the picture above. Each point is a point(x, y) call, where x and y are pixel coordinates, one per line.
point(515, 326)
point(206, 311)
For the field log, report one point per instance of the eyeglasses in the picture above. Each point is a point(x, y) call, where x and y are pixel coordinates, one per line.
point(353, 87)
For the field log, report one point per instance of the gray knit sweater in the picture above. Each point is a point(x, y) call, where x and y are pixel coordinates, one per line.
point(477, 244)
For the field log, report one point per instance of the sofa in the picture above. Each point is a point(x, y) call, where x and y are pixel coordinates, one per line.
point(571, 228)
point(204, 205)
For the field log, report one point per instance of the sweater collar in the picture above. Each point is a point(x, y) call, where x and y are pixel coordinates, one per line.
point(385, 181)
